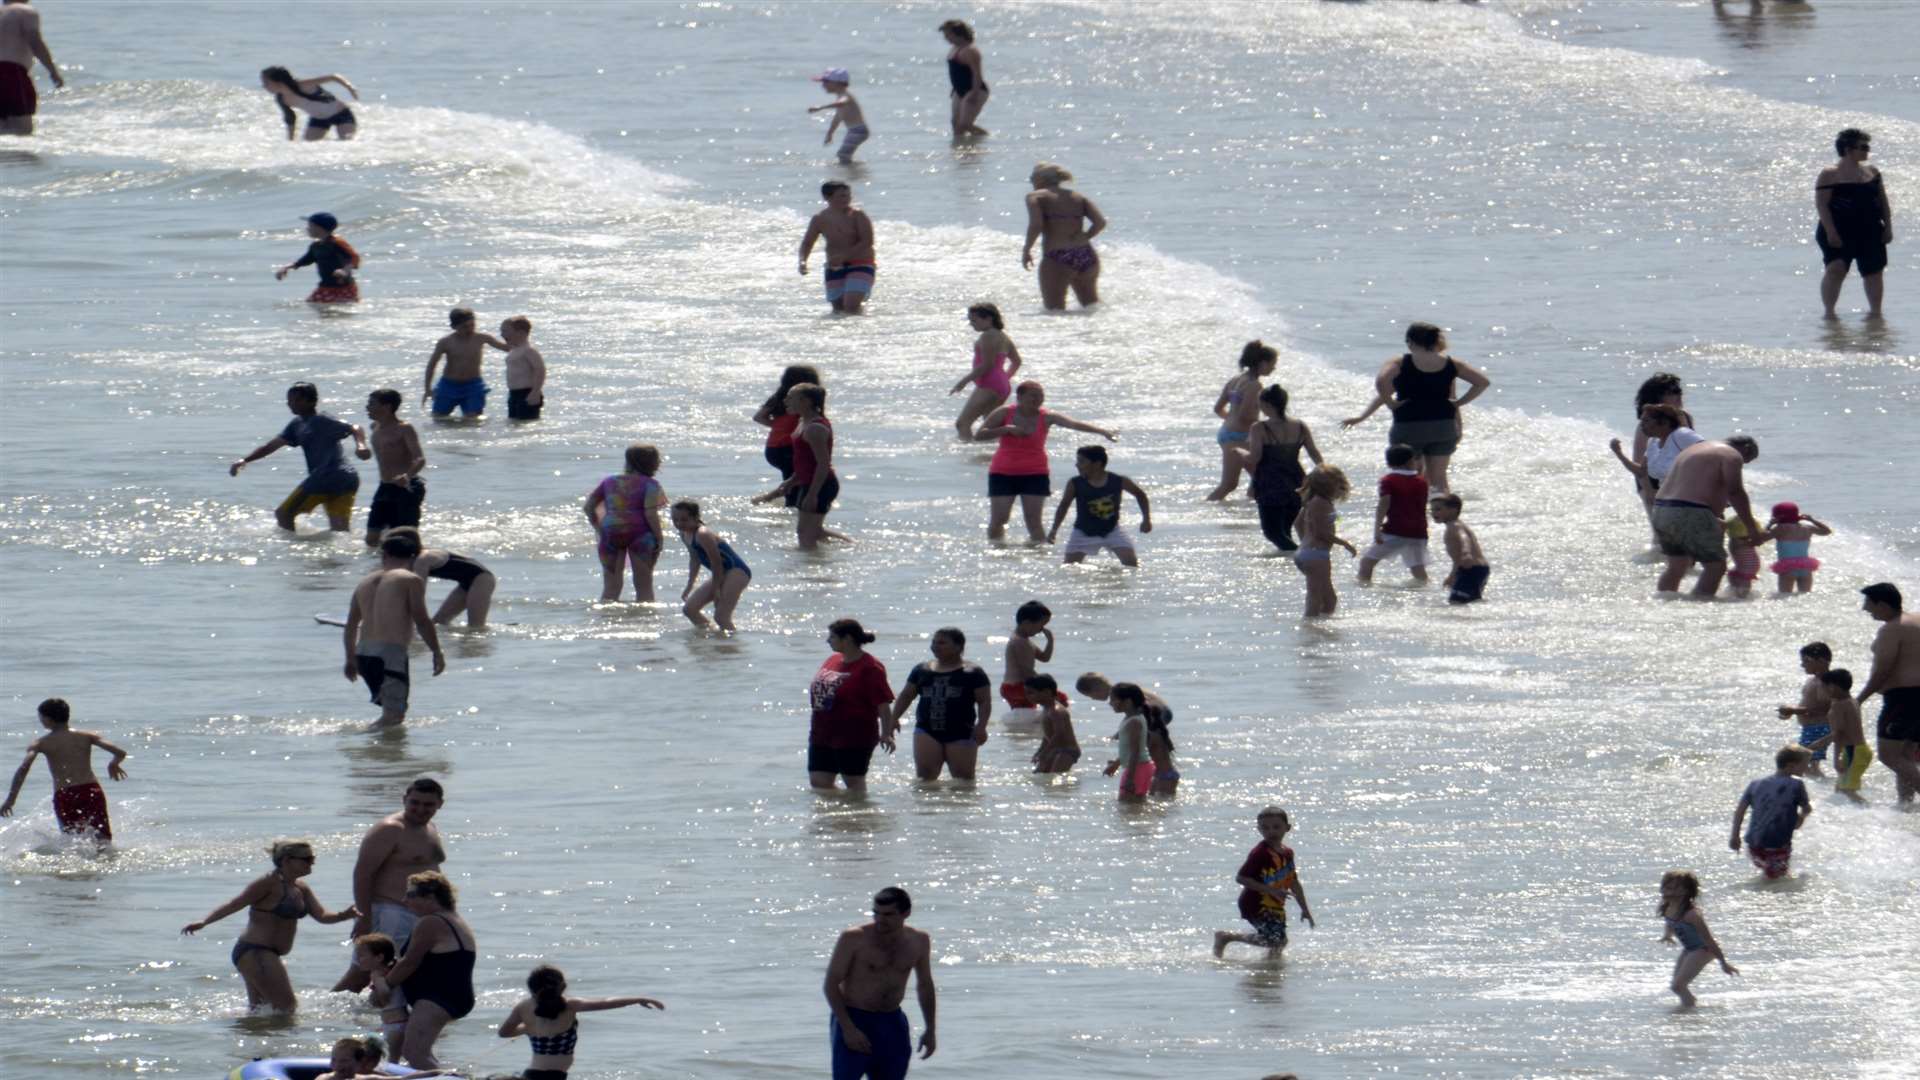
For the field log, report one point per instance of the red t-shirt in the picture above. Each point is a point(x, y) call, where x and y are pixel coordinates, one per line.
point(1269, 867)
point(782, 431)
point(1406, 504)
point(846, 700)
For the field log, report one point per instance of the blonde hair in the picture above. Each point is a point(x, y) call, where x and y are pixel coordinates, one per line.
point(1050, 174)
point(1328, 482)
point(1792, 754)
point(435, 884)
point(283, 848)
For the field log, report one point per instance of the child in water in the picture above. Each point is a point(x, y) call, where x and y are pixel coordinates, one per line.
point(995, 361)
point(1815, 658)
point(1059, 749)
point(1685, 924)
point(1133, 761)
point(1780, 806)
point(845, 111)
point(1166, 778)
point(1468, 578)
point(1266, 879)
point(333, 258)
point(1029, 623)
point(727, 573)
point(1325, 486)
point(1851, 754)
point(376, 954)
point(1743, 556)
point(1793, 534)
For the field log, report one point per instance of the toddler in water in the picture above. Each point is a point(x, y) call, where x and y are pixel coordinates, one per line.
point(1468, 578)
point(991, 374)
point(1793, 534)
point(1134, 762)
point(625, 511)
point(1851, 754)
point(845, 111)
point(1266, 878)
point(1685, 924)
point(1815, 658)
point(375, 954)
point(1780, 806)
point(1059, 749)
point(1743, 556)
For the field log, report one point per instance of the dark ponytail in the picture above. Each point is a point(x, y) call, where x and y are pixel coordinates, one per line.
point(850, 628)
point(1257, 353)
point(548, 987)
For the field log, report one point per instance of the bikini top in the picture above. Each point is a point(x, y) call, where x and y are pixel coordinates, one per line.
point(291, 905)
point(560, 1045)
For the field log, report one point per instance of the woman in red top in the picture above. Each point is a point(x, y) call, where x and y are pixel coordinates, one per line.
point(774, 416)
point(850, 698)
point(1019, 466)
point(813, 486)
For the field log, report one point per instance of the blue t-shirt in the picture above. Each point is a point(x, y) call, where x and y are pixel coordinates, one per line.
point(1773, 802)
point(318, 436)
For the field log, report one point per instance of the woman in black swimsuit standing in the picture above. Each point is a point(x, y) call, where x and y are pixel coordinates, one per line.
point(276, 903)
point(436, 972)
point(969, 79)
point(1856, 221)
point(1417, 387)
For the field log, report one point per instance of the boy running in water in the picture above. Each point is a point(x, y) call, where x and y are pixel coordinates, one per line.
point(1095, 497)
point(1029, 622)
point(78, 802)
point(1266, 878)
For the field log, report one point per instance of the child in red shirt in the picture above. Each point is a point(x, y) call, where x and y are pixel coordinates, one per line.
point(1265, 880)
point(1400, 518)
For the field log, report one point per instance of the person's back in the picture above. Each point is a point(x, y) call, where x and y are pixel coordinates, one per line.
point(79, 804)
point(19, 25)
point(1699, 476)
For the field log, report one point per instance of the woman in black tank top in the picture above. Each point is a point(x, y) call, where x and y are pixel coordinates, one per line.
point(968, 78)
point(1856, 221)
point(1417, 387)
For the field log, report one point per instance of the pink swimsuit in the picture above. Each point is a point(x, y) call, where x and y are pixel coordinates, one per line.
point(995, 378)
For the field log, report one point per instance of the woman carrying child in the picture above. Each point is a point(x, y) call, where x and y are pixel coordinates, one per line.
point(991, 374)
point(625, 512)
point(550, 1021)
point(1324, 486)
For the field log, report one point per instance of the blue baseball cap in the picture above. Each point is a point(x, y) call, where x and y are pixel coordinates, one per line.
point(324, 220)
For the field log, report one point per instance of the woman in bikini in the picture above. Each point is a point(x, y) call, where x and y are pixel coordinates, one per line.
point(275, 904)
point(324, 111)
point(1067, 257)
point(1238, 407)
point(995, 360)
point(550, 1021)
point(967, 77)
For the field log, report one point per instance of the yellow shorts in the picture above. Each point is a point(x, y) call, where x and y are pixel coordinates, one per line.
point(338, 507)
point(1852, 761)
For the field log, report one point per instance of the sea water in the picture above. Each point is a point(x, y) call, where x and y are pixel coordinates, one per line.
point(1483, 799)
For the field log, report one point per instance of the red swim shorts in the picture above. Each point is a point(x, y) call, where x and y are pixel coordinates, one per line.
point(82, 808)
point(1772, 861)
point(335, 294)
point(17, 95)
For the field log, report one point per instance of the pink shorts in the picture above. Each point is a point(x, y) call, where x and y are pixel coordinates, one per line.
point(1771, 861)
point(1137, 780)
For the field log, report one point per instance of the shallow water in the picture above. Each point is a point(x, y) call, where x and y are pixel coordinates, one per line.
point(1483, 799)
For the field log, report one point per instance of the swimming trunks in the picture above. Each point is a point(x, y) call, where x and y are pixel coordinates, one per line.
point(395, 920)
point(1813, 733)
point(517, 407)
point(544, 1074)
point(823, 499)
point(17, 95)
point(1771, 861)
point(1269, 933)
point(446, 979)
point(383, 666)
point(82, 808)
point(1412, 551)
point(1080, 259)
point(1001, 484)
point(460, 570)
point(1227, 435)
point(299, 503)
point(843, 760)
point(1688, 531)
point(889, 1037)
point(343, 118)
point(335, 294)
point(1851, 763)
point(856, 134)
point(469, 394)
point(1900, 713)
point(852, 277)
point(1015, 695)
point(396, 505)
point(1115, 540)
point(1468, 584)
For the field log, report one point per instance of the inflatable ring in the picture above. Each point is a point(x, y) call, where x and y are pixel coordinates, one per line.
point(296, 1069)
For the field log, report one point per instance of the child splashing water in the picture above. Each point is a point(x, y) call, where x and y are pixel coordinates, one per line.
point(991, 374)
point(1793, 534)
point(1685, 924)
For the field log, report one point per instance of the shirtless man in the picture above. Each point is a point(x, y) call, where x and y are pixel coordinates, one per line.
point(1896, 678)
point(461, 384)
point(849, 235)
point(392, 602)
point(1704, 480)
point(78, 803)
point(397, 454)
point(401, 844)
point(867, 980)
point(20, 45)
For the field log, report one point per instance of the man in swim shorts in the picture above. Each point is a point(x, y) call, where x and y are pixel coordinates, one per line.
point(849, 235)
point(79, 804)
point(1896, 678)
point(460, 385)
point(391, 602)
point(398, 456)
point(401, 844)
point(866, 982)
point(20, 45)
point(1705, 479)
point(331, 482)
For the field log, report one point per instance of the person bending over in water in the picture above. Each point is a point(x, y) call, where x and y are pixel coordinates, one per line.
point(79, 804)
point(275, 904)
point(324, 111)
point(473, 583)
point(967, 77)
point(1237, 407)
point(728, 575)
point(849, 235)
point(1067, 258)
point(550, 1021)
point(1856, 221)
point(991, 374)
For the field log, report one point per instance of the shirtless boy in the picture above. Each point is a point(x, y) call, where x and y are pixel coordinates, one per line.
point(1845, 731)
point(867, 980)
point(1029, 622)
point(526, 370)
point(391, 603)
point(401, 844)
point(849, 236)
point(78, 803)
point(20, 45)
point(461, 383)
point(397, 454)
point(1896, 678)
point(845, 111)
point(1469, 574)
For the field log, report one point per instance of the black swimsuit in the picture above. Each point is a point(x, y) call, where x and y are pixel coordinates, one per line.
point(446, 979)
point(458, 569)
point(961, 76)
point(1855, 206)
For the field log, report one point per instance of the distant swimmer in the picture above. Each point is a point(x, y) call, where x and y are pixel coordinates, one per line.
point(1856, 221)
point(401, 844)
point(461, 385)
point(1095, 498)
point(867, 981)
point(1273, 453)
point(849, 235)
point(1468, 579)
point(728, 575)
point(1067, 258)
point(79, 803)
point(1687, 927)
point(324, 111)
point(20, 45)
point(275, 904)
point(846, 111)
point(966, 76)
point(953, 700)
point(848, 699)
point(995, 361)
point(1267, 878)
point(526, 370)
point(399, 457)
point(388, 605)
point(1316, 528)
point(1418, 387)
point(1704, 480)
point(1896, 678)
point(331, 482)
point(551, 1022)
point(332, 257)
point(624, 510)
point(1238, 406)
point(1019, 467)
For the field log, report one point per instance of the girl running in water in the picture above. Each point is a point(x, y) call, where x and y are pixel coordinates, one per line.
point(991, 375)
point(1238, 407)
point(1685, 924)
point(625, 511)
